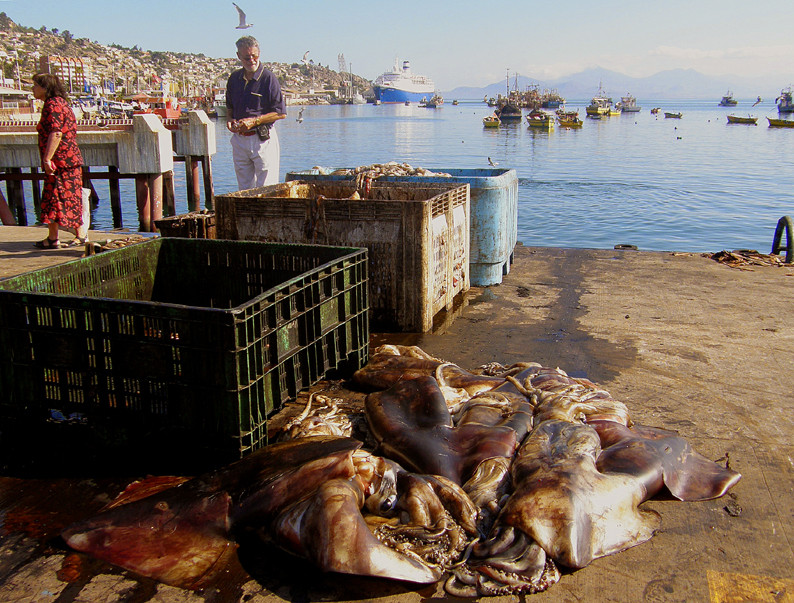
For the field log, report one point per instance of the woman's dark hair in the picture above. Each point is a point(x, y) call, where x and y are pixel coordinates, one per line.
point(51, 84)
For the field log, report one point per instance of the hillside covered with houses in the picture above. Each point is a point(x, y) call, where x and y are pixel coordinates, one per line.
point(89, 67)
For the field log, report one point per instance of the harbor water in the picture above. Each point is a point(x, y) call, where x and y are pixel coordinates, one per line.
point(693, 184)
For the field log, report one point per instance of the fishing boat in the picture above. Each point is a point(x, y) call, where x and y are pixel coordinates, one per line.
point(539, 119)
point(785, 104)
point(400, 85)
point(219, 102)
point(569, 120)
point(673, 115)
point(551, 99)
point(736, 119)
point(455, 103)
point(508, 107)
point(159, 102)
point(728, 100)
point(614, 111)
point(655, 110)
point(628, 104)
point(491, 121)
point(507, 111)
point(600, 104)
point(780, 123)
point(433, 103)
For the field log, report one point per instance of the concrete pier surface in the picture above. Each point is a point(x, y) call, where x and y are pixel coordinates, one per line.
point(685, 342)
point(18, 253)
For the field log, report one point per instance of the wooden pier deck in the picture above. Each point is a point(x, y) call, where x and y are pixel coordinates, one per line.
point(687, 343)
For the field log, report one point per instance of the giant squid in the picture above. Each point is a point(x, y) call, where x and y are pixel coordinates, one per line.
point(305, 495)
point(493, 477)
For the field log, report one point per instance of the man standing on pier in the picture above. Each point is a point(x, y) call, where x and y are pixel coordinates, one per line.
point(254, 103)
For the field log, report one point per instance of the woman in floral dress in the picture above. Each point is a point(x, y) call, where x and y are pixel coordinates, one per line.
point(61, 198)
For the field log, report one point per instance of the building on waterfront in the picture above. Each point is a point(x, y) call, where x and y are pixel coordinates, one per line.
point(73, 72)
point(15, 103)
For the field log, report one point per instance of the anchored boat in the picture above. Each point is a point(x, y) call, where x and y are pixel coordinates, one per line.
point(433, 103)
point(628, 104)
point(507, 111)
point(728, 100)
point(785, 104)
point(569, 119)
point(539, 119)
point(780, 123)
point(600, 104)
point(219, 102)
point(735, 119)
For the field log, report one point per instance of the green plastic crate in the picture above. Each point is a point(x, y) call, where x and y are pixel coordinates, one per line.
point(194, 339)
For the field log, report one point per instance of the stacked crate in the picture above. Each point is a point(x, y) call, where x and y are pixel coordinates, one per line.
point(417, 235)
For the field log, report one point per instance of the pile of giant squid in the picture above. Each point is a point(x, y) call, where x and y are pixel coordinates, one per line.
point(490, 479)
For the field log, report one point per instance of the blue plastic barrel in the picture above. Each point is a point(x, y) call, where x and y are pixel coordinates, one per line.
point(493, 209)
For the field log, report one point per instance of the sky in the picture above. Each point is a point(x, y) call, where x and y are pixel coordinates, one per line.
point(455, 42)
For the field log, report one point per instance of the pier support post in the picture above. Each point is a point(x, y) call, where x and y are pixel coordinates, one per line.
point(115, 196)
point(16, 198)
point(35, 187)
point(192, 183)
point(194, 165)
point(155, 200)
point(209, 188)
point(6, 216)
point(192, 202)
point(169, 197)
point(143, 198)
point(89, 184)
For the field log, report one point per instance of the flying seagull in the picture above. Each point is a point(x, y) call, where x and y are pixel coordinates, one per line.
point(491, 162)
point(299, 119)
point(243, 24)
point(305, 59)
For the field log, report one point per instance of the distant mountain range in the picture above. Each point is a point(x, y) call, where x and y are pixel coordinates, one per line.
point(671, 84)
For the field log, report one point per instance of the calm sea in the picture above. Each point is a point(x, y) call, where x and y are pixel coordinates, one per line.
point(690, 184)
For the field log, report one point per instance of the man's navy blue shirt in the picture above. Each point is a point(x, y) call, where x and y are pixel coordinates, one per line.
point(250, 98)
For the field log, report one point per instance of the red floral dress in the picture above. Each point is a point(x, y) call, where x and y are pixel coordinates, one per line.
point(62, 195)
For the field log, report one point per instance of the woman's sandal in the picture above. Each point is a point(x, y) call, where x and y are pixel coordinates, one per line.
point(48, 243)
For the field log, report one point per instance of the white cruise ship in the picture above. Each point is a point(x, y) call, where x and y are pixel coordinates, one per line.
point(400, 85)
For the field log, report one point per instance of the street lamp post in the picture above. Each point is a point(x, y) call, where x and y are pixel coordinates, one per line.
point(16, 60)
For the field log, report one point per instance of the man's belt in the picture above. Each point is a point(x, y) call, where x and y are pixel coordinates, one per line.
point(249, 133)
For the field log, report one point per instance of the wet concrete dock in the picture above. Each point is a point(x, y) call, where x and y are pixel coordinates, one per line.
point(687, 343)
